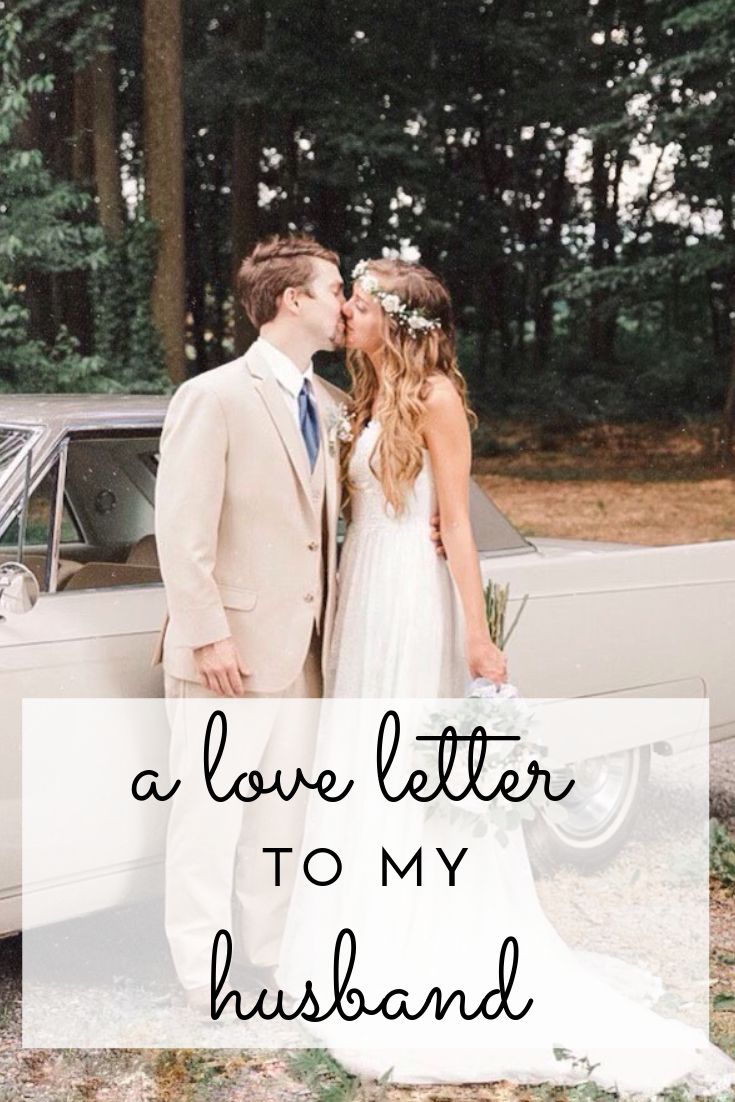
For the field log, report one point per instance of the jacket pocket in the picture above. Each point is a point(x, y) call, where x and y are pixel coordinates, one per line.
point(234, 597)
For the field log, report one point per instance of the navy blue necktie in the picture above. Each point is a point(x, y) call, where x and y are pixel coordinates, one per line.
point(308, 422)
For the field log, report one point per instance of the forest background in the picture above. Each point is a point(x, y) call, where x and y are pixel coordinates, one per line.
point(569, 168)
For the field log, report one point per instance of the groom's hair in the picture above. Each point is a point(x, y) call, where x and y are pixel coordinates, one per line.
point(273, 265)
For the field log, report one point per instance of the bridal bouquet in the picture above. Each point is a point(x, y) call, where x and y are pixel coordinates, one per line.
point(499, 712)
point(497, 716)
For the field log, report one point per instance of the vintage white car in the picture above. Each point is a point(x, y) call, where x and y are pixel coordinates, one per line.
point(77, 481)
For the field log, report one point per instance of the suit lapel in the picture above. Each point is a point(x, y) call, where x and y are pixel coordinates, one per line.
point(267, 385)
point(331, 474)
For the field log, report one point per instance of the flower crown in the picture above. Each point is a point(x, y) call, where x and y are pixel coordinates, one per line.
point(411, 319)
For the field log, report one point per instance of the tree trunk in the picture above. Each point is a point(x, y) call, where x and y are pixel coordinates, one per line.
point(498, 278)
point(713, 301)
point(59, 144)
point(550, 264)
point(197, 304)
point(247, 144)
point(728, 415)
point(37, 284)
point(106, 161)
point(38, 300)
point(605, 199)
point(246, 147)
point(196, 287)
point(82, 154)
point(61, 129)
point(599, 247)
point(164, 173)
point(292, 171)
point(77, 307)
point(522, 312)
point(727, 434)
point(613, 236)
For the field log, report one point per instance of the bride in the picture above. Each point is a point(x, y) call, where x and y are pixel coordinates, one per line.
point(410, 453)
point(411, 624)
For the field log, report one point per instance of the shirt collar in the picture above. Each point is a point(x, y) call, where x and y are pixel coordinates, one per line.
point(284, 369)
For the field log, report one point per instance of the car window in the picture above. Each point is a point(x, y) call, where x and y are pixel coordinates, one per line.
point(110, 486)
point(493, 532)
point(12, 443)
point(39, 512)
point(38, 529)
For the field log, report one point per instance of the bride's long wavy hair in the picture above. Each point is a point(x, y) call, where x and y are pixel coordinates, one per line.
point(407, 363)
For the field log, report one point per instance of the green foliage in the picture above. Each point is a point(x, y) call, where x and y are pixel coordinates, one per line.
point(43, 229)
point(722, 854)
point(49, 227)
point(30, 366)
point(74, 26)
point(326, 1079)
point(125, 339)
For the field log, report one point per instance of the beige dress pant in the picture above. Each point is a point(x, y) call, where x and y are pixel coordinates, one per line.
point(214, 855)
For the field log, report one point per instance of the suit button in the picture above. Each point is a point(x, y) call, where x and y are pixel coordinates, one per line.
point(309, 597)
point(312, 545)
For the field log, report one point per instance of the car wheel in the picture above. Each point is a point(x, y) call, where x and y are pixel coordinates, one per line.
point(600, 811)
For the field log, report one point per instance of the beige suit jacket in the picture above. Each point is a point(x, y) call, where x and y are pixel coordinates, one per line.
point(239, 538)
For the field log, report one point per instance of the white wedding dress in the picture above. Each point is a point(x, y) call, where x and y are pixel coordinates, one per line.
point(398, 630)
point(398, 634)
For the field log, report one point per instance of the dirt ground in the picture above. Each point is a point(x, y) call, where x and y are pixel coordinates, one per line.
point(650, 513)
point(637, 485)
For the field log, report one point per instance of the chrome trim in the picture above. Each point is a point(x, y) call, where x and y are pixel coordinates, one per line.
point(24, 507)
point(115, 425)
point(101, 872)
point(52, 552)
point(498, 553)
point(32, 485)
point(34, 432)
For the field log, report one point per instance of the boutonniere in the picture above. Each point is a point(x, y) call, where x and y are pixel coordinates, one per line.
point(339, 427)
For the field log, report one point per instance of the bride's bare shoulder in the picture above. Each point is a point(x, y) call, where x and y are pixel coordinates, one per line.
point(441, 396)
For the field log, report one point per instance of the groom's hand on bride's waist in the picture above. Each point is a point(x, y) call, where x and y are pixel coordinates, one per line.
point(436, 536)
point(220, 667)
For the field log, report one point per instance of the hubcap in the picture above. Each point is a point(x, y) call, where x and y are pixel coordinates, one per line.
point(603, 790)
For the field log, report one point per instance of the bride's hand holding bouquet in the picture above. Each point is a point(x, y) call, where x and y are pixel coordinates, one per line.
point(485, 659)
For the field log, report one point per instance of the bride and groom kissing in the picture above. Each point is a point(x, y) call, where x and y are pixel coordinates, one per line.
point(257, 459)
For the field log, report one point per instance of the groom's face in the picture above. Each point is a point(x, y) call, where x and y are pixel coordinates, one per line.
point(321, 306)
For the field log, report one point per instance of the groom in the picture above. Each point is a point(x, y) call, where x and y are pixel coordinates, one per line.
point(247, 502)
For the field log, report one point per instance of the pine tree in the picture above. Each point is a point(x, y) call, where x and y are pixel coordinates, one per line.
point(164, 172)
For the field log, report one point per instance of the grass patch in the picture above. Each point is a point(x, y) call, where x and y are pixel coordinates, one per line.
point(722, 854)
point(323, 1075)
point(330, 1082)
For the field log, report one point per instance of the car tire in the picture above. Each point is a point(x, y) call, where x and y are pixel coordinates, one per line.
point(601, 810)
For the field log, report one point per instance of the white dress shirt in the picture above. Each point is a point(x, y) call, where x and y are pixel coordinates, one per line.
point(288, 376)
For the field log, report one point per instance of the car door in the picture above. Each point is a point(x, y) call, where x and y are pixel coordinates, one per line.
point(89, 541)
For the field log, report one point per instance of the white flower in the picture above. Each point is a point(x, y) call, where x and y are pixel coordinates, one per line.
point(390, 303)
point(416, 321)
point(369, 284)
point(339, 427)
